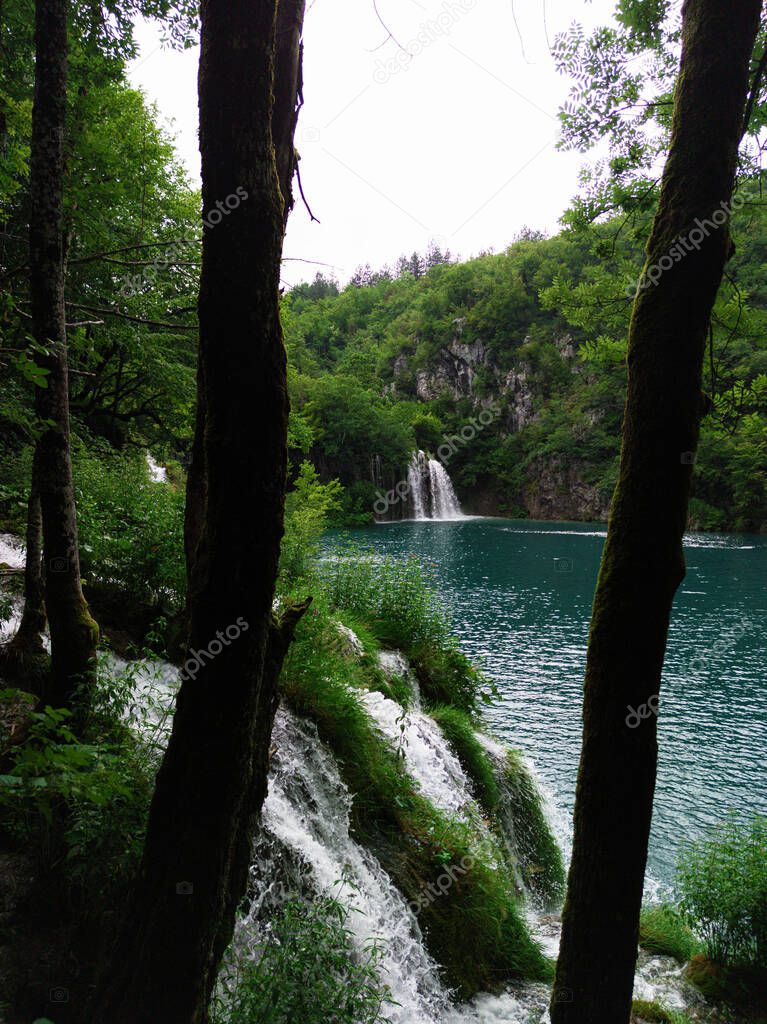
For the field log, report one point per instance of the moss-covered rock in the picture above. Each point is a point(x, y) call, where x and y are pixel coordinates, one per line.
point(456, 886)
point(520, 811)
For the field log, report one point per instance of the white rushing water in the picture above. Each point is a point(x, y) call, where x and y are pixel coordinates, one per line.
point(306, 846)
point(431, 489)
point(12, 554)
point(157, 473)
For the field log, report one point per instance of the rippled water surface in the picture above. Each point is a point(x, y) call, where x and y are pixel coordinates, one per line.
point(520, 596)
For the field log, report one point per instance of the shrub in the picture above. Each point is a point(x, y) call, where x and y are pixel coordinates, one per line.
point(392, 595)
point(663, 930)
point(77, 788)
point(131, 528)
point(308, 971)
point(308, 507)
point(723, 886)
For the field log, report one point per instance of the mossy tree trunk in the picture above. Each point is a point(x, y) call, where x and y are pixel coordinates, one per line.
point(213, 777)
point(74, 634)
point(288, 60)
point(643, 564)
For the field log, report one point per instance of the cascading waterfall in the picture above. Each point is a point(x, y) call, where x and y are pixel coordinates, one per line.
point(305, 846)
point(431, 490)
point(12, 555)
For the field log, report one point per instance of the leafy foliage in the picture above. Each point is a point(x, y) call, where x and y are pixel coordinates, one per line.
point(723, 886)
point(308, 970)
point(131, 528)
point(309, 507)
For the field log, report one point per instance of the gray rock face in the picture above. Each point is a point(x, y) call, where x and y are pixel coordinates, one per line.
point(455, 371)
point(557, 490)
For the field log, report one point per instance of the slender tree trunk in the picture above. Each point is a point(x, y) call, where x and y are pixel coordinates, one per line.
point(643, 564)
point(74, 634)
point(288, 61)
point(287, 94)
point(213, 777)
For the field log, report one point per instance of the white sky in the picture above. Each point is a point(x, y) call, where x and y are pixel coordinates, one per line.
point(458, 146)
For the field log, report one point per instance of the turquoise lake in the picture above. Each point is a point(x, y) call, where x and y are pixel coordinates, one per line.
point(520, 592)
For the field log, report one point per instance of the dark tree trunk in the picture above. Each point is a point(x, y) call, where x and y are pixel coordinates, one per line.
point(643, 563)
point(213, 777)
point(288, 59)
point(287, 94)
point(74, 634)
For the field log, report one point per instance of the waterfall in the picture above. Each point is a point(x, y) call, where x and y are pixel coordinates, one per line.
point(431, 490)
point(157, 473)
point(305, 846)
point(444, 501)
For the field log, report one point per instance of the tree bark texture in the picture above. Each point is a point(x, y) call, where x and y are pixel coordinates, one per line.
point(213, 777)
point(74, 634)
point(643, 564)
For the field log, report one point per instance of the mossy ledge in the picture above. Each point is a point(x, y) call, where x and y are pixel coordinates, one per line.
point(416, 843)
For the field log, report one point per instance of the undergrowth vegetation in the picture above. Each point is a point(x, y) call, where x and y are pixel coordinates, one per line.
point(131, 528)
point(308, 970)
point(396, 600)
point(646, 1012)
point(723, 885)
point(76, 789)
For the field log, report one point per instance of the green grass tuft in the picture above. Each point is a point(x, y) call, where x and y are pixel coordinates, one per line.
point(663, 930)
point(655, 1013)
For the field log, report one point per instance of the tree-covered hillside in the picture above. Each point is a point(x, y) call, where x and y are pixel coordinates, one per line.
point(529, 343)
point(524, 351)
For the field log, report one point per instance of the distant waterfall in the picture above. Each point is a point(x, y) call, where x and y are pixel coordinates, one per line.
point(431, 490)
